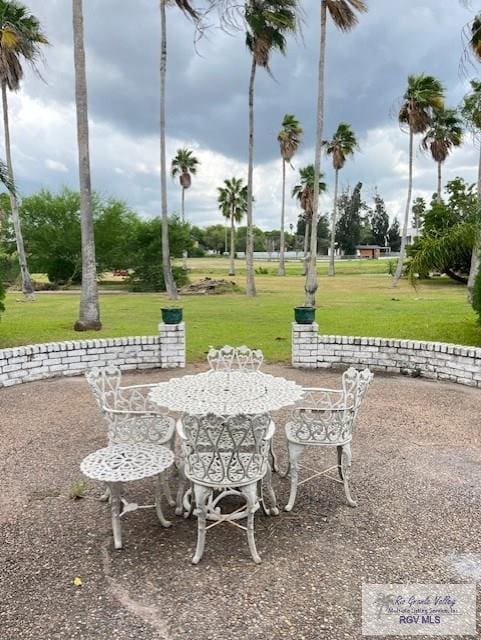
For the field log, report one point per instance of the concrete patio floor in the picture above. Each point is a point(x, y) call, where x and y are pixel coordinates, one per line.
point(416, 475)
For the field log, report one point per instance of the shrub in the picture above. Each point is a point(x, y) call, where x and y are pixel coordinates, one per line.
point(150, 277)
point(63, 271)
point(477, 296)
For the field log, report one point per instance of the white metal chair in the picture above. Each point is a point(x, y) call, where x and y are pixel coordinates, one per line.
point(326, 418)
point(227, 358)
point(226, 456)
point(131, 417)
point(242, 358)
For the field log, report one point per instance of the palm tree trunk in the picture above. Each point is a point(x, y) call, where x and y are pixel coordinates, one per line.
point(332, 264)
point(475, 256)
point(282, 248)
point(250, 280)
point(182, 204)
point(402, 254)
point(225, 237)
point(166, 266)
point(232, 245)
point(438, 198)
point(311, 279)
point(89, 313)
point(306, 246)
point(27, 285)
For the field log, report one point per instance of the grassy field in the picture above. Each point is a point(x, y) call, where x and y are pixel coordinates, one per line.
point(358, 301)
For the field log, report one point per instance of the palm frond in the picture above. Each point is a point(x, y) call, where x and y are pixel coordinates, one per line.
point(435, 252)
point(343, 12)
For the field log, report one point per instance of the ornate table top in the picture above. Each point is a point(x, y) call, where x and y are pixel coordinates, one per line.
point(226, 393)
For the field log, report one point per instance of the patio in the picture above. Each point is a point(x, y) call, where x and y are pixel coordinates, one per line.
point(416, 475)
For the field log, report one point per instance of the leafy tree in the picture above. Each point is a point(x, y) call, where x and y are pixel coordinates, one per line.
point(215, 238)
point(379, 221)
point(52, 233)
point(423, 96)
point(268, 24)
point(444, 133)
point(147, 273)
point(339, 147)
point(394, 236)
point(232, 201)
point(344, 16)
point(348, 230)
point(449, 234)
point(289, 139)
point(184, 165)
point(418, 209)
point(21, 39)
point(477, 296)
point(259, 239)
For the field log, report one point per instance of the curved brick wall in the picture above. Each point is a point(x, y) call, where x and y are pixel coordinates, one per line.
point(72, 358)
point(435, 360)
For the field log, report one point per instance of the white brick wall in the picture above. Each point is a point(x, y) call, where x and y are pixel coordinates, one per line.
point(435, 360)
point(72, 358)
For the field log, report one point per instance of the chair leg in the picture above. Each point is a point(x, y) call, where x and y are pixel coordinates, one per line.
point(114, 489)
point(275, 466)
point(158, 502)
point(166, 489)
point(273, 511)
point(294, 452)
point(200, 495)
point(250, 493)
point(346, 460)
point(179, 509)
point(339, 461)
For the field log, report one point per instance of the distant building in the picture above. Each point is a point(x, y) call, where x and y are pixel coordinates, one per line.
point(371, 251)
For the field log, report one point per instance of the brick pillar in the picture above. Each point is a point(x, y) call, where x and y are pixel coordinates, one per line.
point(304, 345)
point(172, 345)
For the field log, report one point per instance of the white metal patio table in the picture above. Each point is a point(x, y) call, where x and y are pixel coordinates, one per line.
point(232, 395)
point(226, 393)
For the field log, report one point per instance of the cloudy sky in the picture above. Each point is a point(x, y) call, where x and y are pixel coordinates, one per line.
point(207, 103)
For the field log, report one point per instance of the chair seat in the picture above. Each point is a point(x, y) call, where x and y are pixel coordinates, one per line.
point(318, 433)
point(224, 469)
point(126, 462)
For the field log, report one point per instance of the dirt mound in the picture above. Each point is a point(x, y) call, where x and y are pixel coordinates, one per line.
point(209, 286)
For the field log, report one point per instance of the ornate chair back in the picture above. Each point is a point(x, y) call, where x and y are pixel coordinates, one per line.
point(225, 451)
point(327, 416)
point(229, 358)
point(130, 415)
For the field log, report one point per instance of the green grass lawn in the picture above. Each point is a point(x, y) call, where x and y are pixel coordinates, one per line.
point(358, 301)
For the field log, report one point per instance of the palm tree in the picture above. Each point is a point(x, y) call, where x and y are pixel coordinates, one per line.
point(268, 22)
point(89, 312)
point(424, 95)
point(304, 192)
point(444, 133)
point(232, 201)
point(289, 139)
point(471, 112)
point(184, 165)
point(188, 9)
point(339, 147)
point(20, 40)
point(344, 16)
